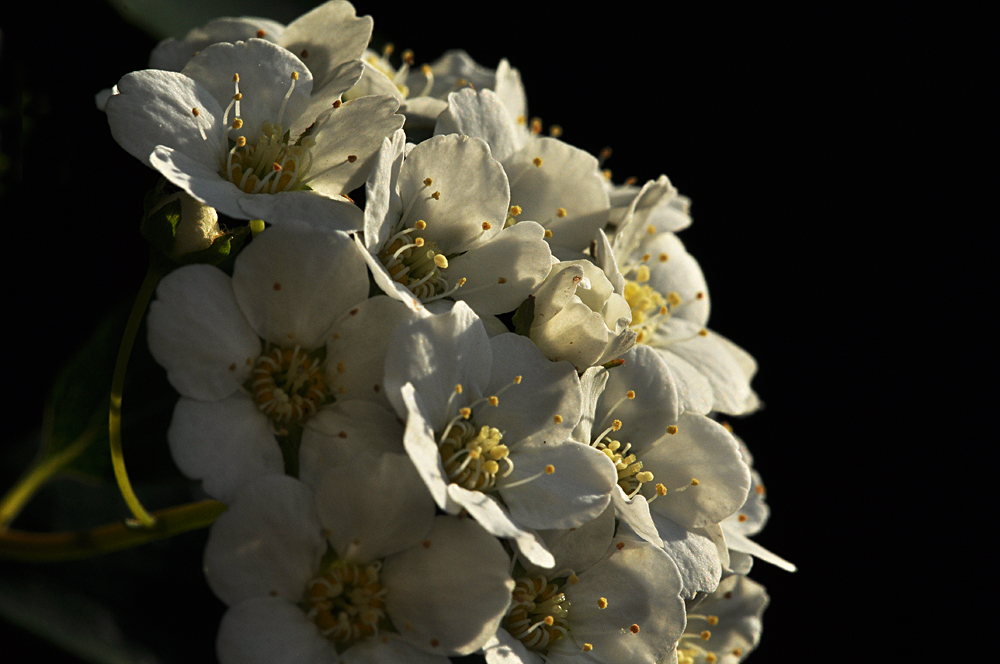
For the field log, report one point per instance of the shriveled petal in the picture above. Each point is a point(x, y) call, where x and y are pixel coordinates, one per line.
point(739, 542)
point(224, 443)
point(383, 206)
point(348, 139)
point(578, 490)
point(198, 333)
point(271, 630)
point(172, 54)
point(269, 542)
point(496, 520)
point(501, 273)
point(701, 450)
point(322, 212)
point(436, 354)
point(481, 115)
point(154, 108)
point(459, 561)
point(343, 430)
point(357, 346)
point(474, 196)
point(293, 283)
point(695, 555)
point(265, 77)
point(645, 418)
point(543, 406)
point(326, 37)
point(642, 587)
point(548, 174)
point(374, 507)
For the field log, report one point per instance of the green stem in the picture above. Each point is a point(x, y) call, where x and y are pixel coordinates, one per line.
point(146, 291)
point(19, 495)
point(73, 545)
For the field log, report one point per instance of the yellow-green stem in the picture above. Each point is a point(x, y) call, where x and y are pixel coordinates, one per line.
point(73, 545)
point(19, 495)
point(146, 291)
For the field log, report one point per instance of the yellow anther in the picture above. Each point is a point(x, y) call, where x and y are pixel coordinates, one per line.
point(663, 311)
point(558, 419)
point(195, 112)
point(674, 299)
point(474, 454)
point(521, 120)
point(555, 131)
point(487, 225)
point(491, 467)
point(407, 57)
point(644, 476)
point(561, 212)
point(537, 161)
point(548, 233)
point(663, 258)
point(634, 628)
point(501, 280)
point(742, 518)
point(420, 225)
point(549, 620)
point(702, 333)
point(713, 620)
point(661, 490)
point(573, 579)
point(606, 173)
point(642, 274)
point(388, 49)
point(241, 141)
point(238, 96)
point(460, 82)
point(498, 451)
point(602, 603)
point(616, 425)
point(461, 282)
point(671, 429)
point(428, 182)
point(419, 241)
point(436, 195)
point(351, 158)
point(549, 469)
point(727, 426)
point(458, 389)
point(605, 152)
point(425, 70)
point(536, 125)
point(493, 401)
point(759, 489)
point(295, 75)
point(515, 210)
point(630, 180)
point(276, 166)
point(630, 395)
point(260, 34)
point(737, 651)
point(706, 635)
point(517, 380)
point(587, 647)
point(236, 78)
point(710, 658)
point(440, 261)
point(237, 123)
point(694, 482)
point(465, 412)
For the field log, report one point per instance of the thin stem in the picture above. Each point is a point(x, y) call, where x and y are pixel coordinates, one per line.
point(74, 545)
point(146, 291)
point(19, 495)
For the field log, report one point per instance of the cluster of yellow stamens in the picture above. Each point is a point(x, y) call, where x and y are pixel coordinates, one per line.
point(346, 602)
point(416, 263)
point(472, 457)
point(649, 307)
point(631, 476)
point(287, 384)
point(538, 615)
point(694, 653)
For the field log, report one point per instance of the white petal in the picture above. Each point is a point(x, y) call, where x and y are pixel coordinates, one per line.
point(224, 443)
point(268, 542)
point(374, 507)
point(503, 648)
point(265, 71)
point(171, 54)
point(739, 542)
point(713, 357)
point(201, 180)
point(331, 34)
point(480, 115)
point(199, 334)
point(343, 430)
point(310, 207)
point(293, 284)
point(694, 392)
point(355, 129)
point(592, 384)
point(458, 561)
point(421, 446)
point(496, 520)
point(655, 407)
point(156, 108)
point(383, 206)
point(681, 274)
point(636, 514)
point(510, 92)
point(473, 192)
point(271, 630)
point(695, 555)
point(342, 78)
point(501, 273)
point(578, 548)
point(387, 649)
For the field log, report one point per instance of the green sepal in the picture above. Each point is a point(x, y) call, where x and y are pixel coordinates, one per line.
point(223, 247)
point(523, 317)
point(159, 222)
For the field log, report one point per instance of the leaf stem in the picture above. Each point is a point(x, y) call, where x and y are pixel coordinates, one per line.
point(146, 290)
point(74, 545)
point(19, 495)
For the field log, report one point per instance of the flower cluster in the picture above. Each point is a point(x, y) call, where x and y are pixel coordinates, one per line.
point(477, 414)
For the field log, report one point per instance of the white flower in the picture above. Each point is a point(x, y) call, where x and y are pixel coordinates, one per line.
point(656, 204)
point(579, 317)
point(488, 424)
point(551, 182)
point(610, 601)
point(724, 627)
point(302, 292)
point(434, 227)
point(310, 574)
point(239, 130)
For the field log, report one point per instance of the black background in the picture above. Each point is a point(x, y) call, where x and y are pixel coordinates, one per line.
point(791, 133)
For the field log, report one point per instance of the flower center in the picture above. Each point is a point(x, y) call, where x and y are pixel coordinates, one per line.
point(287, 384)
point(346, 602)
point(270, 164)
point(472, 456)
point(650, 308)
point(417, 264)
point(631, 476)
point(539, 614)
